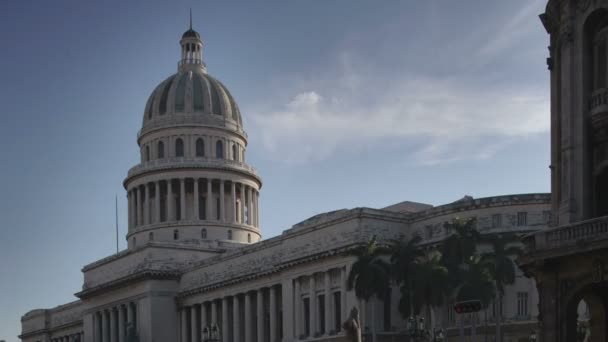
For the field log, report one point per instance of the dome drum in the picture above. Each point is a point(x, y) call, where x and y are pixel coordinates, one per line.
point(194, 233)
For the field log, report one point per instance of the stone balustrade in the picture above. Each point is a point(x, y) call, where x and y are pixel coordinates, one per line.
point(569, 235)
point(185, 162)
point(203, 120)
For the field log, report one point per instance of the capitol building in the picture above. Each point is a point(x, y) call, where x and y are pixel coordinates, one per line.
point(196, 257)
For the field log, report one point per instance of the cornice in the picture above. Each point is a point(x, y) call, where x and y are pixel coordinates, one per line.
point(129, 279)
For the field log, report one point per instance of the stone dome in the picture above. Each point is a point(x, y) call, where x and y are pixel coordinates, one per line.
point(192, 93)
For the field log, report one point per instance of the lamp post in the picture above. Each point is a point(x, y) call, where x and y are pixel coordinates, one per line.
point(211, 333)
point(532, 337)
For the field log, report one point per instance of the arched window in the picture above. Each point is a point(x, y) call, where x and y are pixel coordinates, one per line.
point(219, 149)
point(179, 147)
point(176, 234)
point(151, 236)
point(161, 150)
point(147, 153)
point(234, 152)
point(249, 237)
point(203, 233)
point(230, 235)
point(200, 147)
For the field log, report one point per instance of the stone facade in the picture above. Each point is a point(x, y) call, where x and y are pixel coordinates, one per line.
point(568, 260)
point(195, 257)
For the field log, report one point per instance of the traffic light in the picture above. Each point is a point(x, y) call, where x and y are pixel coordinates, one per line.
point(467, 306)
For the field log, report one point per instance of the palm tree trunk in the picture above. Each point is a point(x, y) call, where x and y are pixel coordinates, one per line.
point(411, 297)
point(498, 317)
point(373, 320)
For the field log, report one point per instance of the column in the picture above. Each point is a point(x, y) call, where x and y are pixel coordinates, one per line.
point(96, 337)
point(196, 212)
point(233, 200)
point(249, 207)
point(236, 324)
point(193, 330)
point(209, 199)
point(157, 202)
point(312, 309)
point(113, 326)
point(184, 323)
point(297, 305)
point(170, 201)
point(130, 314)
point(105, 329)
point(130, 204)
point(328, 303)
point(273, 312)
point(222, 204)
point(121, 324)
point(242, 213)
point(248, 325)
point(140, 199)
point(146, 204)
point(203, 315)
point(256, 208)
point(182, 200)
point(288, 310)
point(224, 327)
point(260, 315)
point(214, 312)
point(343, 276)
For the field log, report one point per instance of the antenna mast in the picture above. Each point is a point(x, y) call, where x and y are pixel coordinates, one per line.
point(116, 214)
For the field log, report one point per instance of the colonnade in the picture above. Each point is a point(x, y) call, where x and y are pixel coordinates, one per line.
point(320, 303)
point(111, 324)
point(193, 199)
point(79, 336)
point(259, 315)
point(242, 317)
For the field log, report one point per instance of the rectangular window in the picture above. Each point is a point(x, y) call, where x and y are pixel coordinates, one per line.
point(306, 313)
point(321, 313)
point(522, 305)
point(429, 232)
point(522, 218)
point(451, 314)
point(337, 311)
point(547, 216)
point(496, 220)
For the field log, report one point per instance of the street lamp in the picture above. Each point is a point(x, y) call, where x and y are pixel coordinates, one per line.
point(532, 337)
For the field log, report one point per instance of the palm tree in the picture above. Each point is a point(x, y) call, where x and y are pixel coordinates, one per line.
point(431, 284)
point(502, 270)
point(369, 275)
point(404, 255)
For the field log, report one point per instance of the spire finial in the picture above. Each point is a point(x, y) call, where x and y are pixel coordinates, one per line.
point(191, 18)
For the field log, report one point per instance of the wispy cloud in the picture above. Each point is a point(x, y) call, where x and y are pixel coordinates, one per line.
point(444, 117)
point(451, 121)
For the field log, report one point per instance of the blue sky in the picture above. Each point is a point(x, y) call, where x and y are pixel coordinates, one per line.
point(347, 103)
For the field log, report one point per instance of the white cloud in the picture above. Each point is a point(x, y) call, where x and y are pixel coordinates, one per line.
point(442, 111)
point(449, 120)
